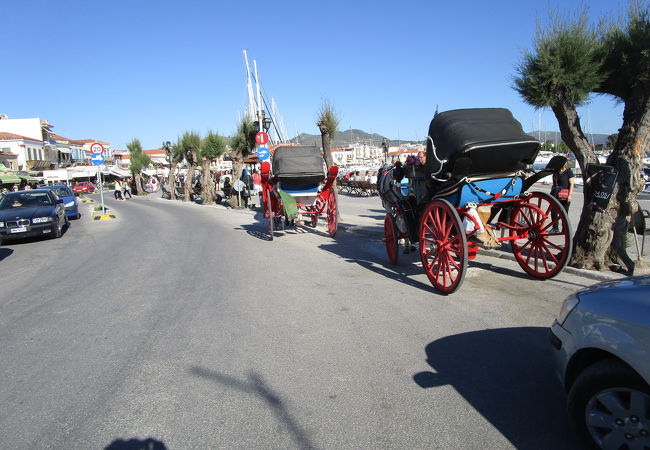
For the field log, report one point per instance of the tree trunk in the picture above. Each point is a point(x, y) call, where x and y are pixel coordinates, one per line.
point(137, 189)
point(590, 245)
point(207, 185)
point(171, 181)
point(187, 188)
point(237, 169)
point(329, 162)
point(612, 224)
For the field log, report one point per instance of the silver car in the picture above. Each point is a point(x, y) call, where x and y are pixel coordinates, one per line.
point(602, 343)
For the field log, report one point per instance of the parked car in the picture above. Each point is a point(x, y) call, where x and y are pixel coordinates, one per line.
point(602, 353)
point(69, 199)
point(84, 187)
point(35, 212)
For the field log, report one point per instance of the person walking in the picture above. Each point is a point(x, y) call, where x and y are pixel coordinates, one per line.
point(127, 188)
point(117, 190)
point(562, 190)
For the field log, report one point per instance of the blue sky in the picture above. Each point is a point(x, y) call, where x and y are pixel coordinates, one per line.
point(151, 70)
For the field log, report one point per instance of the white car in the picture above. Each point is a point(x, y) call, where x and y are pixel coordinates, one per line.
point(602, 354)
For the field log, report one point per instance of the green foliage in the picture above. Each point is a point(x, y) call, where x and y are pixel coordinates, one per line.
point(139, 159)
point(625, 49)
point(244, 141)
point(611, 141)
point(327, 119)
point(213, 146)
point(564, 66)
point(562, 148)
point(188, 147)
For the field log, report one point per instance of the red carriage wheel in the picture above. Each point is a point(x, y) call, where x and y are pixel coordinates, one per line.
point(541, 230)
point(314, 218)
point(331, 213)
point(269, 209)
point(443, 246)
point(392, 236)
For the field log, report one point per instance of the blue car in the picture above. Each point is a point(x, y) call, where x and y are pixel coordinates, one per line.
point(38, 212)
point(69, 199)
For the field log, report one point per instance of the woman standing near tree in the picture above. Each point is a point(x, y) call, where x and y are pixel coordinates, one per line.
point(563, 183)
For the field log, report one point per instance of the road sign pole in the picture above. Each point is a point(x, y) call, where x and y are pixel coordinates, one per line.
point(101, 188)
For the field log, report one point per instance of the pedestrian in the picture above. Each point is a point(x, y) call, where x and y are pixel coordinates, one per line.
point(117, 190)
point(257, 182)
point(127, 188)
point(563, 183)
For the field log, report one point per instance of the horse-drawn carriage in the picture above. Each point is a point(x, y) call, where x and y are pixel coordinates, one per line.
point(473, 191)
point(293, 192)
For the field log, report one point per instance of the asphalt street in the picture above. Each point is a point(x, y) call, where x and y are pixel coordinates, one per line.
point(184, 324)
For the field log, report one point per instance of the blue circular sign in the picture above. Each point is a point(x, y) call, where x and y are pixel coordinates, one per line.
point(263, 153)
point(97, 159)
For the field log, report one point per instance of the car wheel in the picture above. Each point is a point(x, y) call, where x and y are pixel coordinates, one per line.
point(57, 229)
point(78, 216)
point(609, 406)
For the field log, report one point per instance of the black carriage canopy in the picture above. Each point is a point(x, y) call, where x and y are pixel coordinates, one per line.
point(298, 164)
point(479, 141)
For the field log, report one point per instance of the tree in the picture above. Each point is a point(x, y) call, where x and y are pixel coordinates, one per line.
point(139, 160)
point(242, 144)
point(328, 122)
point(625, 48)
point(560, 74)
point(188, 147)
point(212, 147)
point(611, 141)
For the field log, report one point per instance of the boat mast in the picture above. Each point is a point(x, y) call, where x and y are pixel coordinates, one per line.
point(250, 113)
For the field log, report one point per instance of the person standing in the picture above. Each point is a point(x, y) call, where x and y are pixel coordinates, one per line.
point(117, 190)
point(562, 190)
point(127, 188)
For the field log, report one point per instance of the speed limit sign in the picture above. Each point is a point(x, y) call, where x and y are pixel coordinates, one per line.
point(96, 147)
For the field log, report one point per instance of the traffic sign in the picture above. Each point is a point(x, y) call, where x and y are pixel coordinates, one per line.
point(97, 159)
point(96, 147)
point(262, 138)
point(263, 153)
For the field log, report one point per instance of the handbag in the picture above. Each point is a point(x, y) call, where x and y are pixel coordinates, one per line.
point(563, 194)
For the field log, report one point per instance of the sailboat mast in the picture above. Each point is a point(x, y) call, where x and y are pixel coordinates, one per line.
point(249, 86)
point(259, 101)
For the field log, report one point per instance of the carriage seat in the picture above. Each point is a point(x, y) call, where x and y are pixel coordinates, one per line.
point(305, 194)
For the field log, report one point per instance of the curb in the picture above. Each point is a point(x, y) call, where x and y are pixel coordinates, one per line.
point(591, 274)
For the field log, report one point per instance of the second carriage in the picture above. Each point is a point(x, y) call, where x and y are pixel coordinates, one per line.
point(298, 189)
point(473, 191)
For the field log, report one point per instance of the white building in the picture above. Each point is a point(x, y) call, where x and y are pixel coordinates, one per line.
point(19, 152)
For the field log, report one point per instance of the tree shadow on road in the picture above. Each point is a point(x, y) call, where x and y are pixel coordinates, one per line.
point(5, 253)
point(402, 272)
point(508, 376)
point(255, 385)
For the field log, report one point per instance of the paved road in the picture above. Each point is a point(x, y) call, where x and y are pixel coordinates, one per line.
point(182, 323)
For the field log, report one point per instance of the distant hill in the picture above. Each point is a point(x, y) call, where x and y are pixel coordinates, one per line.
point(349, 137)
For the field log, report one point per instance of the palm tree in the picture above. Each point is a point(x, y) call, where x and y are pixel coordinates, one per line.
point(242, 145)
point(139, 160)
point(212, 147)
point(188, 147)
point(328, 122)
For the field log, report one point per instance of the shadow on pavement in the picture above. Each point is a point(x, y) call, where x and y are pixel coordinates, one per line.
point(403, 272)
point(255, 385)
point(507, 375)
point(5, 253)
point(136, 444)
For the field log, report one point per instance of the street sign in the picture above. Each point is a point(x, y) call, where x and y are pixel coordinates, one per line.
point(261, 138)
point(96, 147)
point(97, 159)
point(263, 153)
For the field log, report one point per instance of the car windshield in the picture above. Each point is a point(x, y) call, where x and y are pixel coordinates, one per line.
point(25, 199)
point(62, 191)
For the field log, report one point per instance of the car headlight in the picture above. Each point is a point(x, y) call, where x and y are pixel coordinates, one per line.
point(69, 204)
point(568, 305)
point(41, 219)
point(2, 224)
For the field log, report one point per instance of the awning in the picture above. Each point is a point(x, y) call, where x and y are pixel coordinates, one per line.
point(29, 179)
point(9, 179)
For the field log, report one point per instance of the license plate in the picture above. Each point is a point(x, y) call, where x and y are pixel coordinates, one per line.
point(19, 230)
